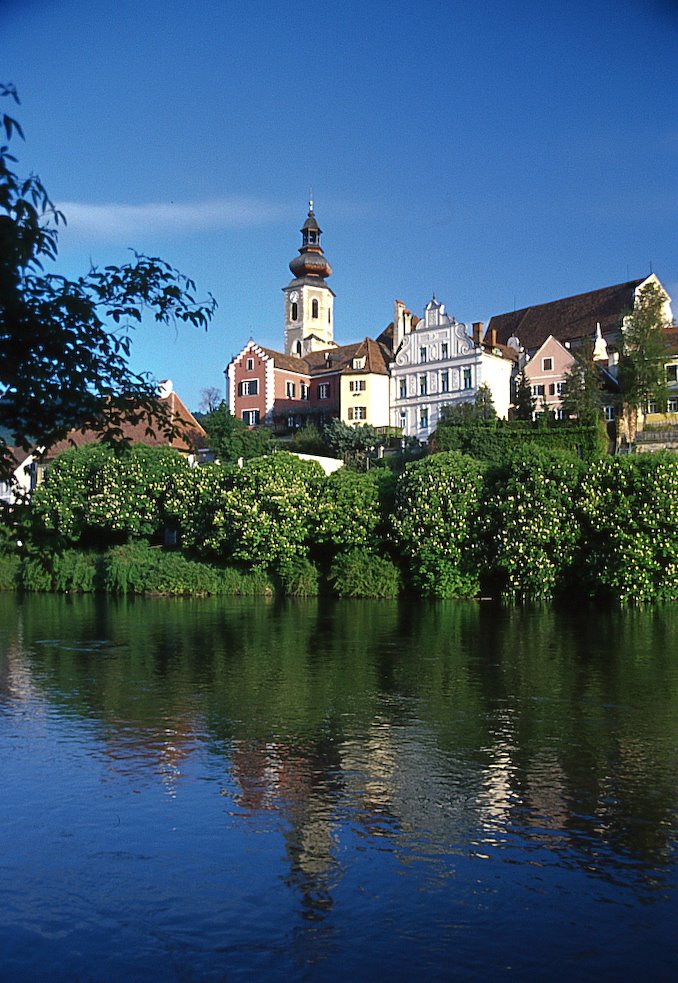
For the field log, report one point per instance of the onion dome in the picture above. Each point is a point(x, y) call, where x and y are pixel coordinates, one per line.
point(311, 260)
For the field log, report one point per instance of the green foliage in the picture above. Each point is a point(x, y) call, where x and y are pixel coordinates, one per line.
point(641, 367)
point(464, 412)
point(299, 578)
point(529, 531)
point(65, 344)
point(352, 509)
point(583, 392)
point(359, 573)
point(10, 566)
point(231, 439)
point(96, 496)
point(496, 442)
point(347, 441)
point(435, 512)
point(629, 514)
point(258, 515)
point(309, 440)
point(137, 568)
point(524, 402)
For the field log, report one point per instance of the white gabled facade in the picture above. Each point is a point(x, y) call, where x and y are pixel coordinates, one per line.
point(436, 364)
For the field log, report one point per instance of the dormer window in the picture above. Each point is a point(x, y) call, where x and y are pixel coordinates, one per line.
point(314, 308)
point(359, 363)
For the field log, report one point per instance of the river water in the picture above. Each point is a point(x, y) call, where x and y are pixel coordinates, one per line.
point(251, 789)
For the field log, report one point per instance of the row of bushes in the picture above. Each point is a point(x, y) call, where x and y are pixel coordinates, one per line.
point(540, 524)
point(138, 568)
point(495, 440)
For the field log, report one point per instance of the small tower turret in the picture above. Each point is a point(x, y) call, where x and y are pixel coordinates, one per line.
point(309, 302)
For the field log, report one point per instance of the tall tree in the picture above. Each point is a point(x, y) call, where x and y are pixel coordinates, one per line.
point(582, 396)
point(209, 399)
point(643, 354)
point(524, 402)
point(65, 344)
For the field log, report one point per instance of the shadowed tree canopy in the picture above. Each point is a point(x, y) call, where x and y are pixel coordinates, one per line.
point(65, 344)
point(583, 392)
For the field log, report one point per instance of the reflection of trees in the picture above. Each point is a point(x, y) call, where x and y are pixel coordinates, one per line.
point(412, 721)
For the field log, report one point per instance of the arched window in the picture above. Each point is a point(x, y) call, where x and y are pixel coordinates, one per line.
point(314, 309)
point(329, 315)
point(295, 311)
point(297, 348)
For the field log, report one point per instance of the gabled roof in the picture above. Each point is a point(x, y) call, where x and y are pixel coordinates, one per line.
point(568, 319)
point(186, 437)
point(334, 360)
point(293, 363)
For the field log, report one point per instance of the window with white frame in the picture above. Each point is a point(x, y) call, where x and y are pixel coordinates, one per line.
point(423, 354)
point(445, 381)
point(304, 390)
point(248, 387)
point(538, 390)
point(672, 405)
point(359, 363)
point(560, 388)
point(608, 413)
point(423, 385)
point(423, 418)
point(560, 413)
point(444, 350)
point(250, 417)
point(403, 389)
point(468, 379)
point(324, 390)
point(552, 388)
point(651, 406)
point(547, 364)
point(357, 385)
point(290, 389)
point(357, 412)
point(250, 364)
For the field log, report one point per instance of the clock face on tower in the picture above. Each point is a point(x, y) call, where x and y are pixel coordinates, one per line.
point(294, 297)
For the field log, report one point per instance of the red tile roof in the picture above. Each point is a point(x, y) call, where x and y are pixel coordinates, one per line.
point(187, 433)
point(567, 319)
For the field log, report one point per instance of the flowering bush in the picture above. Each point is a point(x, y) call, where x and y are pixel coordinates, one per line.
point(528, 526)
point(94, 495)
point(257, 515)
point(352, 509)
point(629, 514)
point(435, 512)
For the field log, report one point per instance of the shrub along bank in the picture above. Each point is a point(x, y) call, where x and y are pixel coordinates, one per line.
point(538, 525)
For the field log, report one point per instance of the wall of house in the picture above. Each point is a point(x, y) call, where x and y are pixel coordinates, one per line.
point(551, 379)
point(364, 405)
point(251, 365)
point(495, 372)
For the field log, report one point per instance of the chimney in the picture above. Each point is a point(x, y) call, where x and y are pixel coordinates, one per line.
point(402, 323)
point(493, 337)
point(478, 332)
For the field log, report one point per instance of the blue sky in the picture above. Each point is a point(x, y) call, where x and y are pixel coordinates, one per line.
point(498, 153)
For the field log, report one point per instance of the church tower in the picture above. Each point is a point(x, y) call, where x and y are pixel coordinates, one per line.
point(309, 302)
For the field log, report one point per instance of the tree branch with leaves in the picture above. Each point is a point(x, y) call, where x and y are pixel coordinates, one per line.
point(65, 344)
